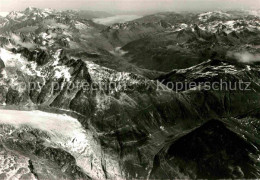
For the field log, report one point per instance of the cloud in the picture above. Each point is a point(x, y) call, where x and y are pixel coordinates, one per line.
point(245, 57)
point(4, 14)
point(116, 19)
point(18, 40)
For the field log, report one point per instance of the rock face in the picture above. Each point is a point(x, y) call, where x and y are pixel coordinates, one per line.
point(210, 151)
point(127, 125)
point(39, 56)
point(2, 65)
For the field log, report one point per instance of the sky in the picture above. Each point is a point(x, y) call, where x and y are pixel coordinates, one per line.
point(117, 6)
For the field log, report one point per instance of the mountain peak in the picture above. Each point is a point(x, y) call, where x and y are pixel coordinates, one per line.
point(31, 9)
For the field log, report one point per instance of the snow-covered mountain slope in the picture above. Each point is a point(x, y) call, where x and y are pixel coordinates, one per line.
point(183, 45)
point(208, 16)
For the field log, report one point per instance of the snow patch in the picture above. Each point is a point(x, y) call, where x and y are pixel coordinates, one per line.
point(62, 71)
point(81, 26)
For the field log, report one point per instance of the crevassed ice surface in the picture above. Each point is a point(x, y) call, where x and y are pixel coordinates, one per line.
point(67, 133)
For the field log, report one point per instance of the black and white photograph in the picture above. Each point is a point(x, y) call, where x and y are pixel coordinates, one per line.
point(129, 89)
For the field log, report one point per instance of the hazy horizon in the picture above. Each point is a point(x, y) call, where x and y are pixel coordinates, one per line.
point(124, 6)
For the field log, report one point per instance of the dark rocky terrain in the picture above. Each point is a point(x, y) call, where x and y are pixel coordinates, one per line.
point(137, 127)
